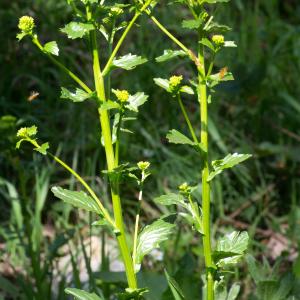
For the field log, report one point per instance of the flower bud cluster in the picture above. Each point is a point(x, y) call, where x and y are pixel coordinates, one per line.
point(122, 95)
point(26, 24)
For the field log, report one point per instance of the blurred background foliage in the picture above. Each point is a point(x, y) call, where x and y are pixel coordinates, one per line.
point(257, 113)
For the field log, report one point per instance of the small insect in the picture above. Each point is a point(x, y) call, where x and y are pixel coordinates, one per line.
point(33, 95)
point(223, 72)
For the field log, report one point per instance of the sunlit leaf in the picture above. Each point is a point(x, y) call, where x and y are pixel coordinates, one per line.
point(136, 100)
point(82, 295)
point(52, 48)
point(230, 248)
point(150, 238)
point(78, 96)
point(76, 30)
point(77, 199)
point(191, 24)
point(131, 293)
point(229, 161)
point(43, 148)
point(230, 44)
point(170, 199)
point(129, 61)
point(163, 83)
point(177, 137)
point(169, 54)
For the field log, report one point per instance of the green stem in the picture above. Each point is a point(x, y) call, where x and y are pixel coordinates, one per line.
point(202, 97)
point(61, 66)
point(105, 213)
point(122, 38)
point(187, 119)
point(109, 151)
point(117, 147)
point(137, 218)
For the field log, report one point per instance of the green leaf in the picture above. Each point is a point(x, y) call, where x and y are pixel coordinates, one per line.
point(77, 199)
point(215, 27)
point(229, 161)
point(128, 62)
point(108, 105)
point(232, 246)
point(177, 137)
point(82, 295)
point(230, 44)
point(21, 35)
point(76, 30)
point(131, 293)
point(174, 287)
point(78, 96)
point(206, 42)
point(43, 148)
point(233, 292)
point(187, 89)
point(169, 54)
point(171, 199)
point(52, 48)
point(136, 100)
point(213, 1)
point(191, 24)
point(150, 238)
point(163, 83)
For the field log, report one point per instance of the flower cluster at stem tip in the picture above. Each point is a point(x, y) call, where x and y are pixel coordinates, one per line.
point(143, 165)
point(218, 39)
point(122, 95)
point(184, 188)
point(175, 81)
point(26, 24)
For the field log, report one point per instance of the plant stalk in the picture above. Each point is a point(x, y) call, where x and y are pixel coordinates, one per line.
point(202, 97)
point(109, 151)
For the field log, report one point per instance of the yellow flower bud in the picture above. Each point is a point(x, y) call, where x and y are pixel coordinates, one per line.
point(122, 95)
point(26, 24)
point(175, 81)
point(116, 11)
point(143, 165)
point(218, 39)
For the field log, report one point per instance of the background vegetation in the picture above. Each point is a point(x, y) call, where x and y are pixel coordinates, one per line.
point(257, 113)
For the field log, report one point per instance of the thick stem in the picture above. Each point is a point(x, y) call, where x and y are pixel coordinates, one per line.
point(202, 97)
point(109, 151)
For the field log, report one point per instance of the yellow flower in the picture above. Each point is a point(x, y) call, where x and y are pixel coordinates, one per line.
point(143, 165)
point(116, 11)
point(175, 81)
point(26, 24)
point(122, 95)
point(218, 39)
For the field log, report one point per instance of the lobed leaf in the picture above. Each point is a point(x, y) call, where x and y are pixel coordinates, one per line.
point(169, 54)
point(150, 238)
point(163, 83)
point(128, 62)
point(77, 199)
point(191, 24)
point(136, 100)
point(229, 161)
point(78, 96)
point(171, 199)
point(43, 148)
point(82, 295)
point(51, 48)
point(230, 248)
point(176, 137)
point(75, 30)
